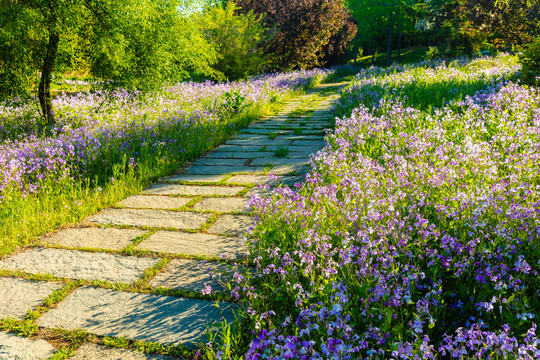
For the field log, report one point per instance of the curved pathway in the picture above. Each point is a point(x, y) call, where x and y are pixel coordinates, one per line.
point(141, 269)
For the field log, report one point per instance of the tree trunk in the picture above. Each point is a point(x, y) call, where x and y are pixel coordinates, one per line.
point(355, 50)
point(447, 51)
point(44, 90)
point(389, 39)
point(400, 34)
point(372, 49)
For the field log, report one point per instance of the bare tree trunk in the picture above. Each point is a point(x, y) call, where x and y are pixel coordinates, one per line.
point(372, 49)
point(447, 51)
point(355, 50)
point(389, 39)
point(44, 90)
point(400, 34)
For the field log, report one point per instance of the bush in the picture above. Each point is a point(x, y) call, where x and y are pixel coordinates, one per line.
point(530, 61)
point(237, 38)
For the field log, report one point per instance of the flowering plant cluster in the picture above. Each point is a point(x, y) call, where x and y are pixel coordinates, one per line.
point(416, 235)
point(99, 129)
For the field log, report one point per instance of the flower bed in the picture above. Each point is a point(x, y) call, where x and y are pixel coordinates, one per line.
point(416, 235)
point(99, 129)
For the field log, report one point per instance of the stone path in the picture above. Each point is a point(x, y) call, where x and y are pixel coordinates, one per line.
point(139, 270)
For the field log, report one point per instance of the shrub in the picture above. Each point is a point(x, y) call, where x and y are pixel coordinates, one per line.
point(237, 38)
point(530, 61)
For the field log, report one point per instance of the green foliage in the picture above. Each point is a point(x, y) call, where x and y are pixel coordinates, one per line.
point(301, 29)
point(237, 38)
point(530, 61)
point(433, 53)
point(139, 43)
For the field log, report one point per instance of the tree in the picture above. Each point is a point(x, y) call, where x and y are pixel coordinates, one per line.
point(237, 37)
point(300, 28)
point(132, 42)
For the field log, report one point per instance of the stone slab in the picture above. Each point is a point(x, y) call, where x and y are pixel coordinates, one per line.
point(224, 170)
point(18, 296)
point(277, 161)
point(195, 244)
point(99, 238)
point(192, 190)
point(149, 218)
point(265, 180)
point(13, 347)
point(181, 274)
point(236, 148)
point(212, 162)
point(261, 142)
point(231, 225)
point(91, 351)
point(154, 202)
point(239, 155)
point(316, 143)
point(195, 178)
point(83, 265)
point(162, 319)
point(290, 170)
point(222, 205)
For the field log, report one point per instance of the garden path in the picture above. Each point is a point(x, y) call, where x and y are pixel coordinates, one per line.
point(139, 270)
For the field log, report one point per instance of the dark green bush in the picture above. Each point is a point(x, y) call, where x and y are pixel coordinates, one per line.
point(530, 60)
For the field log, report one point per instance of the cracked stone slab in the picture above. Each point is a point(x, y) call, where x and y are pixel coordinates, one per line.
point(231, 225)
point(222, 205)
point(90, 351)
point(192, 190)
point(13, 347)
point(319, 143)
point(236, 148)
point(154, 202)
point(195, 244)
point(223, 169)
point(149, 218)
point(195, 178)
point(193, 275)
point(92, 237)
point(162, 319)
point(296, 149)
point(76, 264)
point(18, 296)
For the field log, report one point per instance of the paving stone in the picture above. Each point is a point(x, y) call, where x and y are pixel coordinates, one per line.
point(196, 178)
point(289, 170)
point(214, 162)
point(91, 351)
point(192, 190)
point(259, 191)
point(83, 265)
point(154, 202)
point(92, 237)
point(250, 136)
point(162, 319)
point(261, 142)
point(240, 155)
point(18, 296)
point(278, 161)
point(224, 169)
point(231, 225)
point(293, 148)
point(236, 148)
point(149, 218)
point(195, 244)
point(249, 179)
point(13, 347)
point(222, 205)
point(301, 137)
point(264, 131)
point(181, 274)
point(319, 143)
